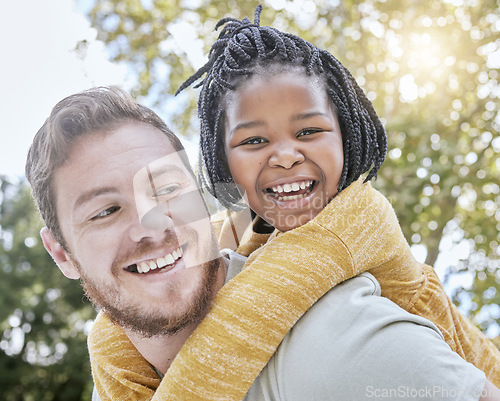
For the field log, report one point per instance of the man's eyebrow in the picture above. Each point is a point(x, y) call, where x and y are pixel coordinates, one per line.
point(164, 169)
point(92, 193)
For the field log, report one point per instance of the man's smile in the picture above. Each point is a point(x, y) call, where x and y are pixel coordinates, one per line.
point(163, 263)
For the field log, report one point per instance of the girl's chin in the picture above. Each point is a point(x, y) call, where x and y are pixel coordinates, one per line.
point(287, 222)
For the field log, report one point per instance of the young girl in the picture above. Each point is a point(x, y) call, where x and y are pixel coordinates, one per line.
point(289, 125)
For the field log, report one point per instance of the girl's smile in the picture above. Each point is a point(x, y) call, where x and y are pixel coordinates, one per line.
point(284, 147)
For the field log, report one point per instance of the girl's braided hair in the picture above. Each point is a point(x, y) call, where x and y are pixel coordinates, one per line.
point(243, 48)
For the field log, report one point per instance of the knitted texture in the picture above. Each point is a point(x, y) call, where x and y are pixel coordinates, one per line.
point(357, 231)
point(119, 371)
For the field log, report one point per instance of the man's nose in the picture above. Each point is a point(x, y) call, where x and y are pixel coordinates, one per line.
point(157, 218)
point(151, 225)
point(286, 155)
point(152, 214)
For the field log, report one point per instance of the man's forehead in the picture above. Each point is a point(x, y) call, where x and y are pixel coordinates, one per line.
point(169, 165)
point(172, 161)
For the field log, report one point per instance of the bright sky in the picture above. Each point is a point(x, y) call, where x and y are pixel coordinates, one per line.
point(40, 67)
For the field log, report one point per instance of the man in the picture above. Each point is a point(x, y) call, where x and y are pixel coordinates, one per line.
point(117, 196)
point(82, 167)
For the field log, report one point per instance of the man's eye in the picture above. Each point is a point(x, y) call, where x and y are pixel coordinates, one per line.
point(168, 190)
point(253, 141)
point(106, 212)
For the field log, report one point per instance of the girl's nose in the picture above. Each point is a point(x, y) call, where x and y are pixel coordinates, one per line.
point(286, 156)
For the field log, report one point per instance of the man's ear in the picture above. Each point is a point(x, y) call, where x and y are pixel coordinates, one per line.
point(60, 256)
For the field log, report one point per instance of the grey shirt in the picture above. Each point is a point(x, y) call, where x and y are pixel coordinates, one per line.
point(354, 344)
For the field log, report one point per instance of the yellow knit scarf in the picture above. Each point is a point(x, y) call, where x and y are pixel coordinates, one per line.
point(357, 231)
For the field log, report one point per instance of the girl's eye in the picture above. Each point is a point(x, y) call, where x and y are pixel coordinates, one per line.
point(253, 141)
point(106, 212)
point(308, 131)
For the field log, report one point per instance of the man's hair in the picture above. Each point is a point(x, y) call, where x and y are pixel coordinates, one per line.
point(244, 49)
point(100, 109)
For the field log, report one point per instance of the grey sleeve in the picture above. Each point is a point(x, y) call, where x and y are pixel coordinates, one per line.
point(355, 345)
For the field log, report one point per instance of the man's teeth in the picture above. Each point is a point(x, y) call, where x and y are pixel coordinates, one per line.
point(146, 266)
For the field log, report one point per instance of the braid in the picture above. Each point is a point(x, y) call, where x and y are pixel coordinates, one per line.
point(244, 49)
point(256, 16)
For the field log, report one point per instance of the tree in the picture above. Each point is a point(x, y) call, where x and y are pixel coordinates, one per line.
point(44, 317)
point(431, 69)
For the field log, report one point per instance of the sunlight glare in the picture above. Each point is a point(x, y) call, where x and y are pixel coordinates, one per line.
point(408, 89)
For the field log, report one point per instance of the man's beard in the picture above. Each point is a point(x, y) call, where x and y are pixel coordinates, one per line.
point(154, 322)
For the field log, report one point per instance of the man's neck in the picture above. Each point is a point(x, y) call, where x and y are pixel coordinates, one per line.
point(160, 351)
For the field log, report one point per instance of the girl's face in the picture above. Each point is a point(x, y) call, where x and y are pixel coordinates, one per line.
point(284, 147)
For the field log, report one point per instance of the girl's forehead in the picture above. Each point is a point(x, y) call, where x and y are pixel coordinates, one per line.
point(279, 96)
point(272, 75)
point(261, 80)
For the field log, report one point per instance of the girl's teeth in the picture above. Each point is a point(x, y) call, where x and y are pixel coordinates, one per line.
point(291, 197)
point(161, 262)
point(169, 259)
point(295, 186)
point(152, 265)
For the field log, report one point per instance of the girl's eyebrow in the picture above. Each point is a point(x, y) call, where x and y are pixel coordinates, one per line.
point(246, 125)
point(296, 117)
point(305, 116)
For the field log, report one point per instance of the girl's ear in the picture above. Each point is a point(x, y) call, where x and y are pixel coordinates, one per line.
point(60, 256)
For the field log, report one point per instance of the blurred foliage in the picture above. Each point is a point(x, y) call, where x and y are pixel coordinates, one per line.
point(431, 69)
point(43, 353)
